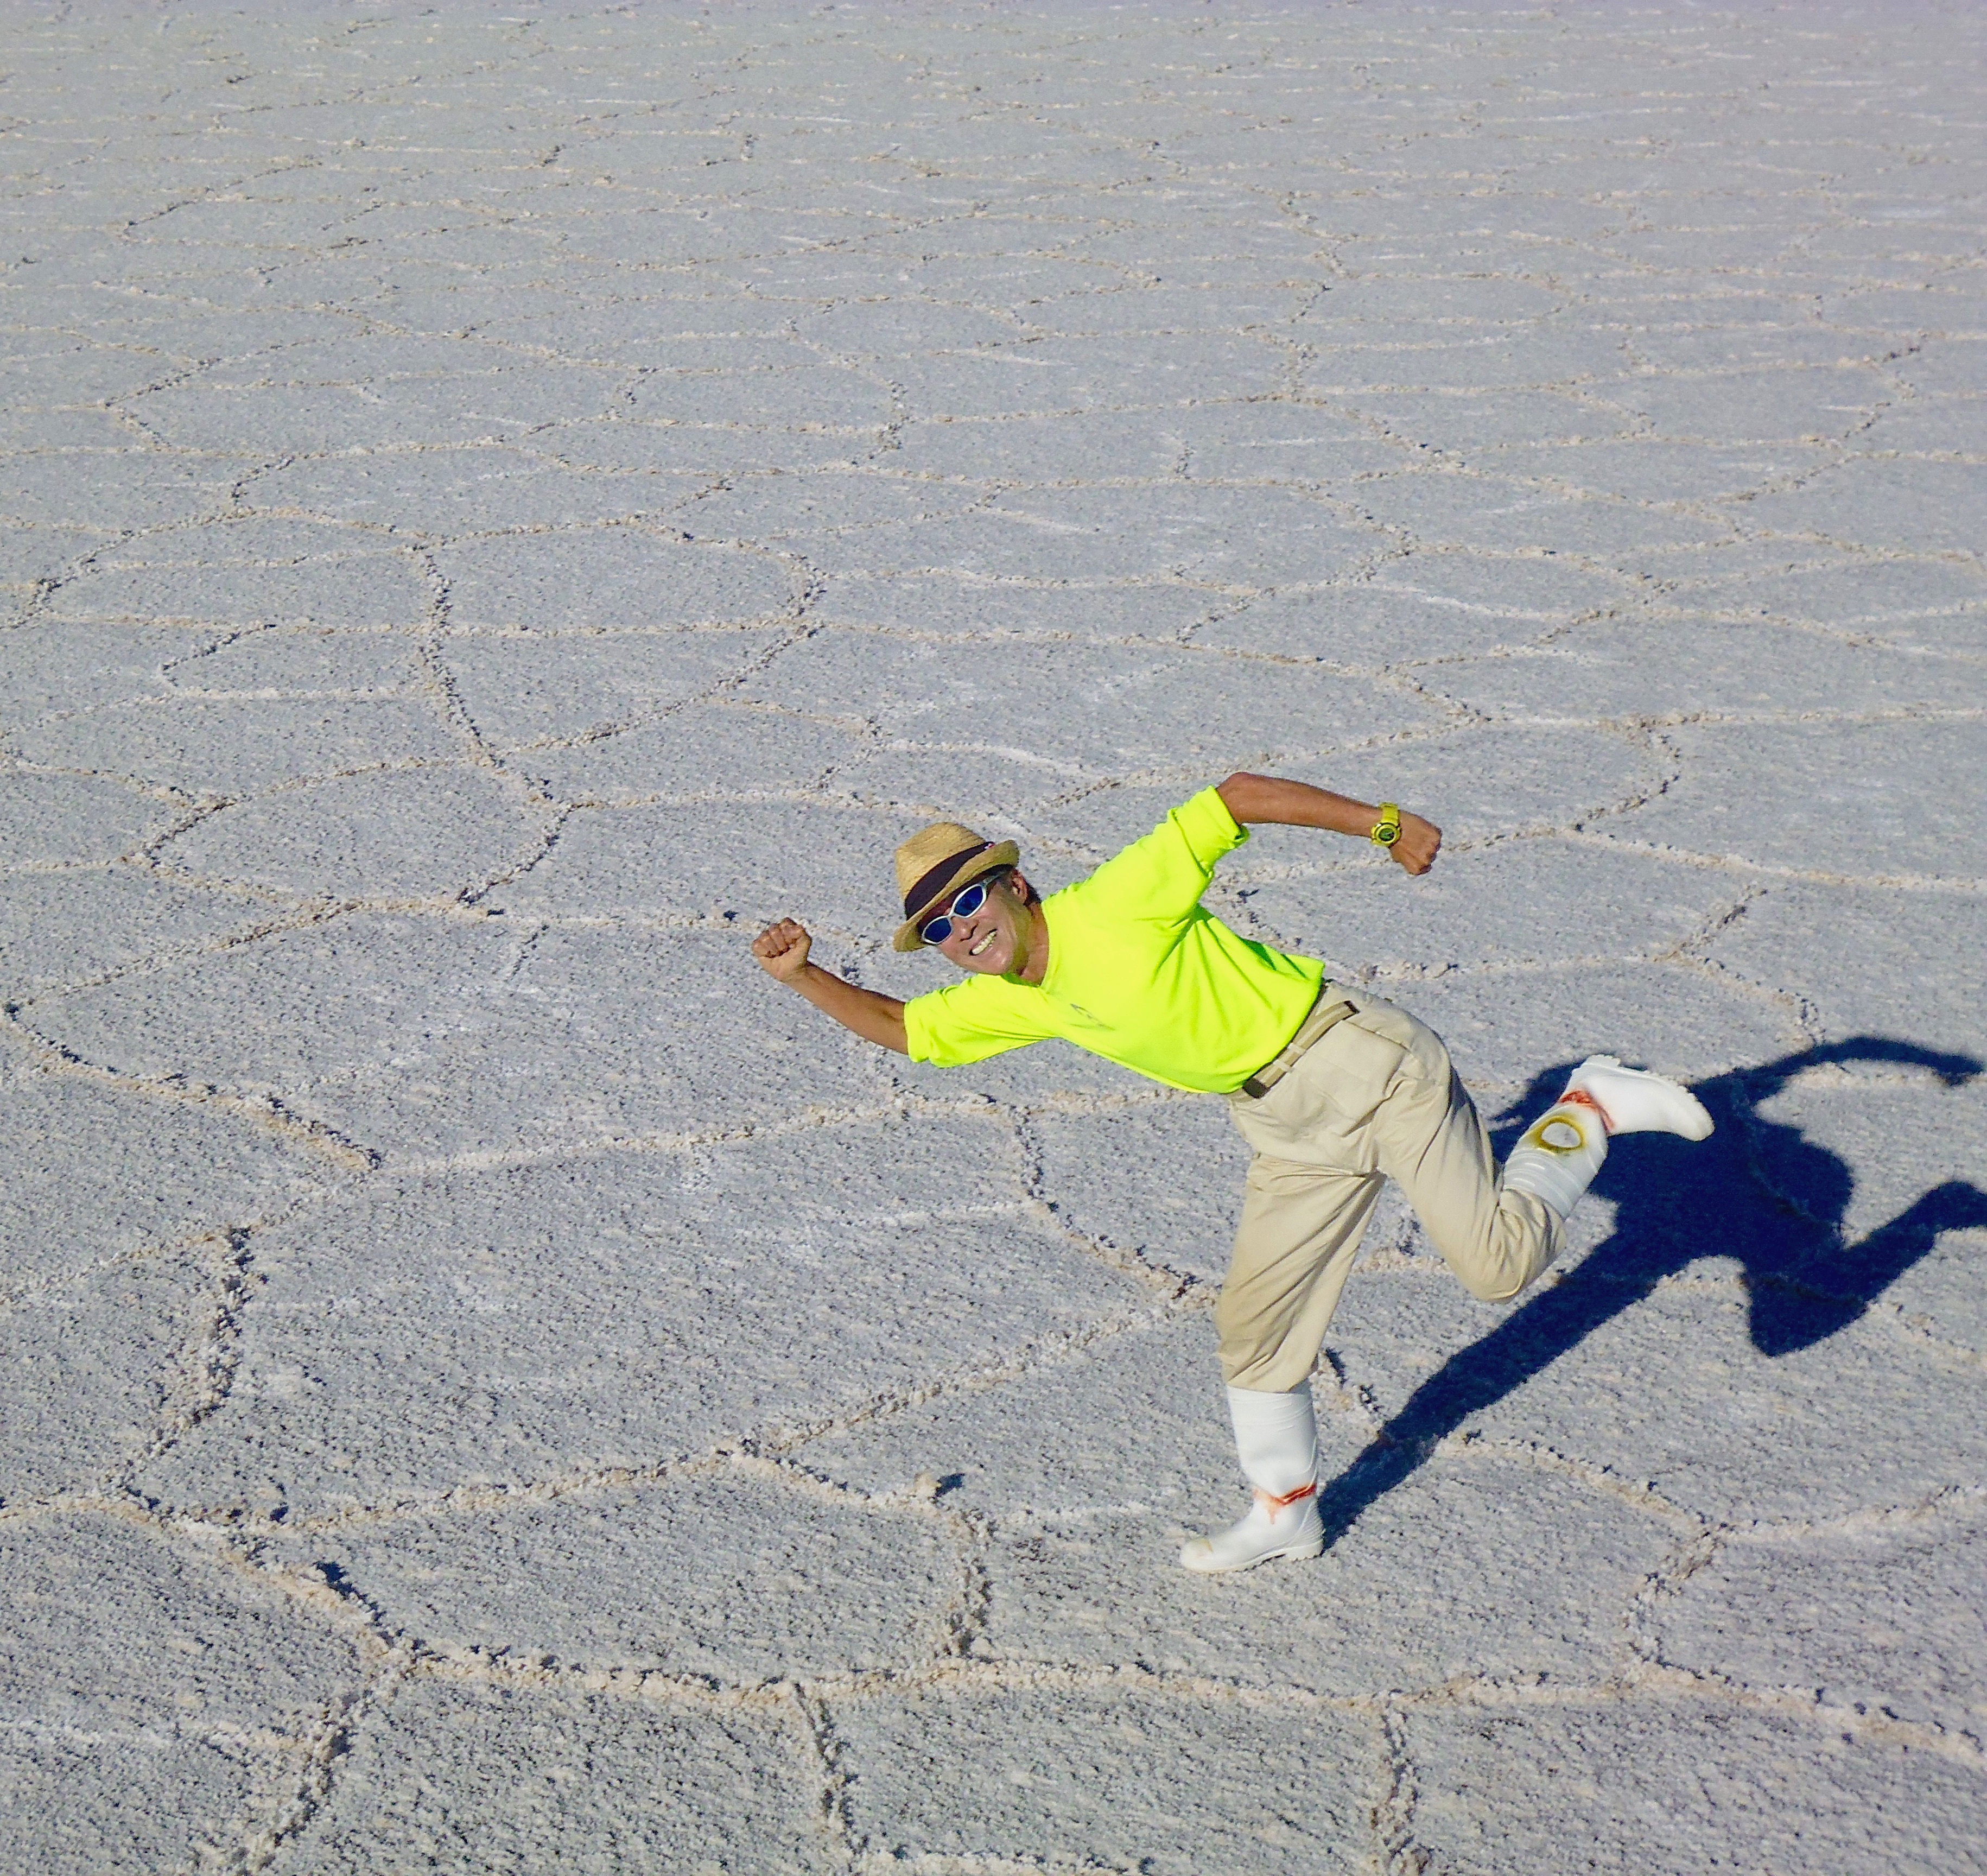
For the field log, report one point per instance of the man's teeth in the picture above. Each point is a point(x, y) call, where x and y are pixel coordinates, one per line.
point(982, 944)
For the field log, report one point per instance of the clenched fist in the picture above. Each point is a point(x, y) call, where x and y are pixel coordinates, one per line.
point(782, 949)
point(1420, 842)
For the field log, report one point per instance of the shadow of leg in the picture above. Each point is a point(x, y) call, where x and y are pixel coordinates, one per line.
point(1679, 1202)
point(1521, 1346)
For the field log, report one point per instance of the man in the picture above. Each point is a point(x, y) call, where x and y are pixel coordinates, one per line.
point(1335, 1090)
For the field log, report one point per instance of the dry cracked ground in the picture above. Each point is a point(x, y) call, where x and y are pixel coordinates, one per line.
point(496, 508)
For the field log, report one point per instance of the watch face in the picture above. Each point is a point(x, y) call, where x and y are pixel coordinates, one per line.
point(1387, 833)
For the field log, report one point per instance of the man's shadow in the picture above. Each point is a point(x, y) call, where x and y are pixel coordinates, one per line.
point(1679, 1201)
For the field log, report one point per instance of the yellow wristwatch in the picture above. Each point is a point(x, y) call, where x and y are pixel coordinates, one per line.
point(1387, 829)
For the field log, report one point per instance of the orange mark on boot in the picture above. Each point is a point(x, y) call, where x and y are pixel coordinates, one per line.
point(1580, 1098)
point(1272, 1503)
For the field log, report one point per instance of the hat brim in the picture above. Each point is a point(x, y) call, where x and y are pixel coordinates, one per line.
point(969, 867)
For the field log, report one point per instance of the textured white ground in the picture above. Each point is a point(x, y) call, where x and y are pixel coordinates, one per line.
point(496, 508)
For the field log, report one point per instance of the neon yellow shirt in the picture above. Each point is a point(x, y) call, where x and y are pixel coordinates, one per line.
point(1139, 972)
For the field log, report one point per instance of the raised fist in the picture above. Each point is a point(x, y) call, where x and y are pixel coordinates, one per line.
point(1420, 842)
point(782, 949)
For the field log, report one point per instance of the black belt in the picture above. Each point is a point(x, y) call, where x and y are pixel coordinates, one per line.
point(1325, 1015)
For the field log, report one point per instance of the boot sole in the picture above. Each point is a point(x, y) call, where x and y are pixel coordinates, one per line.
point(1314, 1546)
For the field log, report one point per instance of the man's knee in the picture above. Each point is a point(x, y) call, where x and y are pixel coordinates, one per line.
point(1504, 1265)
point(1491, 1286)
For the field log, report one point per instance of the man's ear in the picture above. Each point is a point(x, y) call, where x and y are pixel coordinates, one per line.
point(1018, 884)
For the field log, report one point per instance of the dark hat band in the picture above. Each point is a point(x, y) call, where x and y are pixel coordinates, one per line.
point(929, 886)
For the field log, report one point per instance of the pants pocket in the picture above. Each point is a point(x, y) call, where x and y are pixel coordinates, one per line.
point(1357, 1064)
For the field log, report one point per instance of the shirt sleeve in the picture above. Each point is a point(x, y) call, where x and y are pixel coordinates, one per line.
point(968, 1022)
point(1162, 876)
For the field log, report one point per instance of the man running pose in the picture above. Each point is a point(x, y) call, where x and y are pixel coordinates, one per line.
point(1333, 1089)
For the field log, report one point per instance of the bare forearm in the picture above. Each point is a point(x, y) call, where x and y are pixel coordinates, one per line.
point(1259, 799)
point(872, 1016)
point(1272, 798)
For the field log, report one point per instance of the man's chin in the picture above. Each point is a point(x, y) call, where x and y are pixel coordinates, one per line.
point(993, 961)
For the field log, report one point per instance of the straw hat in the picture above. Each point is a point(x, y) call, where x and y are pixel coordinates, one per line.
point(934, 863)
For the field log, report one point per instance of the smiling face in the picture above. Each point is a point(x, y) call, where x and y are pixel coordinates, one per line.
point(1004, 937)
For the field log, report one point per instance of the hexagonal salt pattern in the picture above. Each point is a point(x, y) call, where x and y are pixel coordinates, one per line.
point(495, 508)
point(476, 1778)
point(162, 1706)
point(1682, 1784)
point(743, 1575)
point(1123, 1776)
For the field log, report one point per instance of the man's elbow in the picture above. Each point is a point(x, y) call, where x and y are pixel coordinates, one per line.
point(1242, 795)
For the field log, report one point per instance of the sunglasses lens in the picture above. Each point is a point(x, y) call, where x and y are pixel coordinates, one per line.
point(936, 932)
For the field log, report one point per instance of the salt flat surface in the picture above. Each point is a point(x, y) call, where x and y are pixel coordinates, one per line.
point(494, 509)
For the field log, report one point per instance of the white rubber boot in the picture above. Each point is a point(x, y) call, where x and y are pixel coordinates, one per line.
point(1634, 1101)
point(1560, 1154)
point(1562, 1149)
point(1275, 1438)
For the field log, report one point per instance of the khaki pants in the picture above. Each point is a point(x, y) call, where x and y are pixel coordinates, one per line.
point(1373, 1099)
